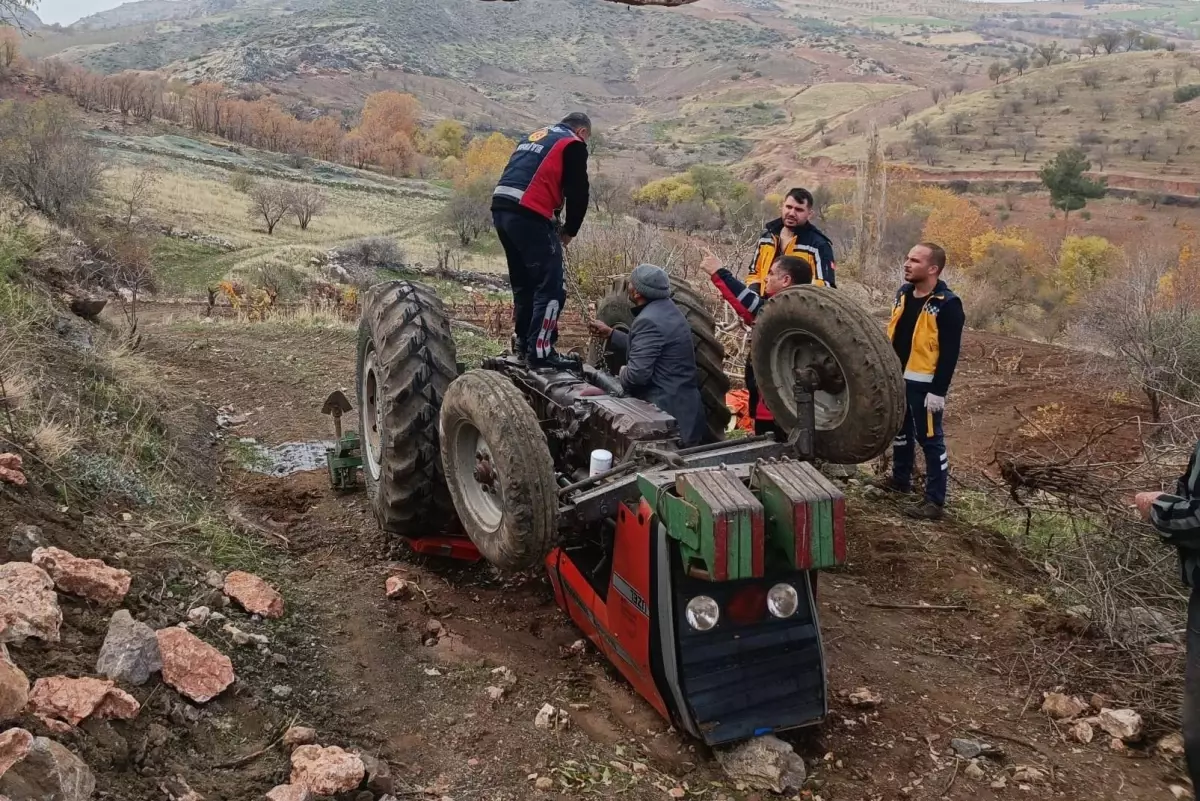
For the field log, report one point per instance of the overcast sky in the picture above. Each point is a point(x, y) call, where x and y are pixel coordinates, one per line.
point(65, 12)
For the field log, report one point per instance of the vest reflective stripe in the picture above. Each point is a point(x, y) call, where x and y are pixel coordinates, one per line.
point(913, 375)
point(509, 192)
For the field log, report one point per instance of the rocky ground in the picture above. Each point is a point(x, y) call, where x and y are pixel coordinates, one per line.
point(225, 659)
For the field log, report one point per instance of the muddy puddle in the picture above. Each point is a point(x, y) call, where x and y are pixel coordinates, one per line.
point(288, 458)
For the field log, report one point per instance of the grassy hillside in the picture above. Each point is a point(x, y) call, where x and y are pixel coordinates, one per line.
point(1120, 108)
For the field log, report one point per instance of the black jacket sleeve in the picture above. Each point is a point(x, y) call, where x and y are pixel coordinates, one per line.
point(575, 186)
point(1177, 517)
point(950, 322)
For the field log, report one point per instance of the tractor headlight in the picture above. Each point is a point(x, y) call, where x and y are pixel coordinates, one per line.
point(783, 600)
point(703, 613)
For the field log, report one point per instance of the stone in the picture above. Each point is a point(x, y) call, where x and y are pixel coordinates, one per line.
point(87, 578)
point(23, 541)
point(1124, 724)
point(1139, 624)
point(379, 775)
point(14, 688)
point(289, 792)
point(48, 771)
point(240, 637)
point(326, 771)
point(505, 676)
point(192, 666)
point(544, 784)
point(1172, 744)
point(178, 790)
point(73, 700)
point(1179, 792)
point(974, 772)
point(11, 470)
point(494, 694)
point(1081, 732)
point(281, 691)
point(1029, 775)
point(864, 698)
point(199, 615)
point(398, 589)
point(253, 594)
point(299, 735)
point(28, 604)
point(764, 763)
point(130, 652)
point(1118, 745)
point(214, 579)
point(14, 746)
point(1063, 707)
point(967, 749)
point(551, 717)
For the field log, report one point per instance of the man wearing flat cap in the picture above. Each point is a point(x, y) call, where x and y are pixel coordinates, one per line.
point(660, 364)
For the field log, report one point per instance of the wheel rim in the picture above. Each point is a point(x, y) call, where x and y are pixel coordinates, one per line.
point(371, 404)
point(799, 349)
point(478, 477)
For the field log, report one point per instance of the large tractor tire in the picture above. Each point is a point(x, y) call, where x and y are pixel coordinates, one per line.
point(860, 400)
point(614, 309)
point(499, 470)
point(406, 361)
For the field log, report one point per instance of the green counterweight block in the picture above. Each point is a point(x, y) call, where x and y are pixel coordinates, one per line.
point(344, 459)
point(717, 521)
point(805, 514)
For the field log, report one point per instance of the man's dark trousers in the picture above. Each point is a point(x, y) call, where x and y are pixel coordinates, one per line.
point(921, 427)
point(1191, 690)
point(535, 269)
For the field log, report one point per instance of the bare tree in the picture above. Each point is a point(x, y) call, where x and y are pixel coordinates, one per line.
point(1159, 106)
point(305, 201)
point(468, 213)
point(1180, 140)
point(45, 161)
point(270, 202)
point(1092, 44)
point(1154, 334)
point(1020, 63)
point(1024, 145)
point(1106, 106)
point(936, 92)
point(1152, 74)
point(1109, 40)
point(958, 122)
point(905, 109)
point(929, 154)
point(1177, 73)
point(1099, 155)
point(1090, 77)
point(1146, 146)
point(1133, 38)
point(958, 86)
point(853, 127)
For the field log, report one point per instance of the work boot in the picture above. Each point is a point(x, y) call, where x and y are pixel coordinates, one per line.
point(554, 361)
point(927, 510)
point(887, 484)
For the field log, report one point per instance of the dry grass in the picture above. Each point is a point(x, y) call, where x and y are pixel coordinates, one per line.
point(52, 441)
point(1060, 120)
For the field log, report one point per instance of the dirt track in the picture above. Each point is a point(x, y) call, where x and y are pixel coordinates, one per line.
point(362, 676)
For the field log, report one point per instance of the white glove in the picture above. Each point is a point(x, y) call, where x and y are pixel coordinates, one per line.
point(935, 403)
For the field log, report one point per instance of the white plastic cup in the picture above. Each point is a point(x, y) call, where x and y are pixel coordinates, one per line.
point(601, 461)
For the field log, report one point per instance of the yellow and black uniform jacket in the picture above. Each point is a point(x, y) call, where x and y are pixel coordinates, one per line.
point(937, 337)
point(810, 244)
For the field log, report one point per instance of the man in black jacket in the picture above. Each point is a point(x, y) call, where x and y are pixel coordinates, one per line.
point(660, 364)
point(547, 170)
point(1177, 518)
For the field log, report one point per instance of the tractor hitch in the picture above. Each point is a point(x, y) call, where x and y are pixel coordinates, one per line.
point(344, 457)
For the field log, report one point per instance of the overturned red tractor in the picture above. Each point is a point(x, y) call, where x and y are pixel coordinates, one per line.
point(687, 567)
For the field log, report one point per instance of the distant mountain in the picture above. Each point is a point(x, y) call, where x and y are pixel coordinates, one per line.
point(22, 18)
point(141, 12)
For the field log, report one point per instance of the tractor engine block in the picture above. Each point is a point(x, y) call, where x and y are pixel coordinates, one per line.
point(579, 417)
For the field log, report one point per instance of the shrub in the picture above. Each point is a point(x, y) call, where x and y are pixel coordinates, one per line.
point(1185, 93)
point(241, 181)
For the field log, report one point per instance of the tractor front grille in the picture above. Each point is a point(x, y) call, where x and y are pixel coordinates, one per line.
point(748, 679)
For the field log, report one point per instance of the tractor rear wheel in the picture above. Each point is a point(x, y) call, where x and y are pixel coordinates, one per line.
point(615, 310)
point(406, 361)
point(499, 470)
point(860, 400)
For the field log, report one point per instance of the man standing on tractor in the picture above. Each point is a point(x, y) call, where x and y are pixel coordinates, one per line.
point(926, 332)
point(792, 234)
point(786, 271)
point(660, 364)
point(547, 170)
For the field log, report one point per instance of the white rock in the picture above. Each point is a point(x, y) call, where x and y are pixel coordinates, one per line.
point(199, 615)
point(764, 763)
point(1122, 723)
